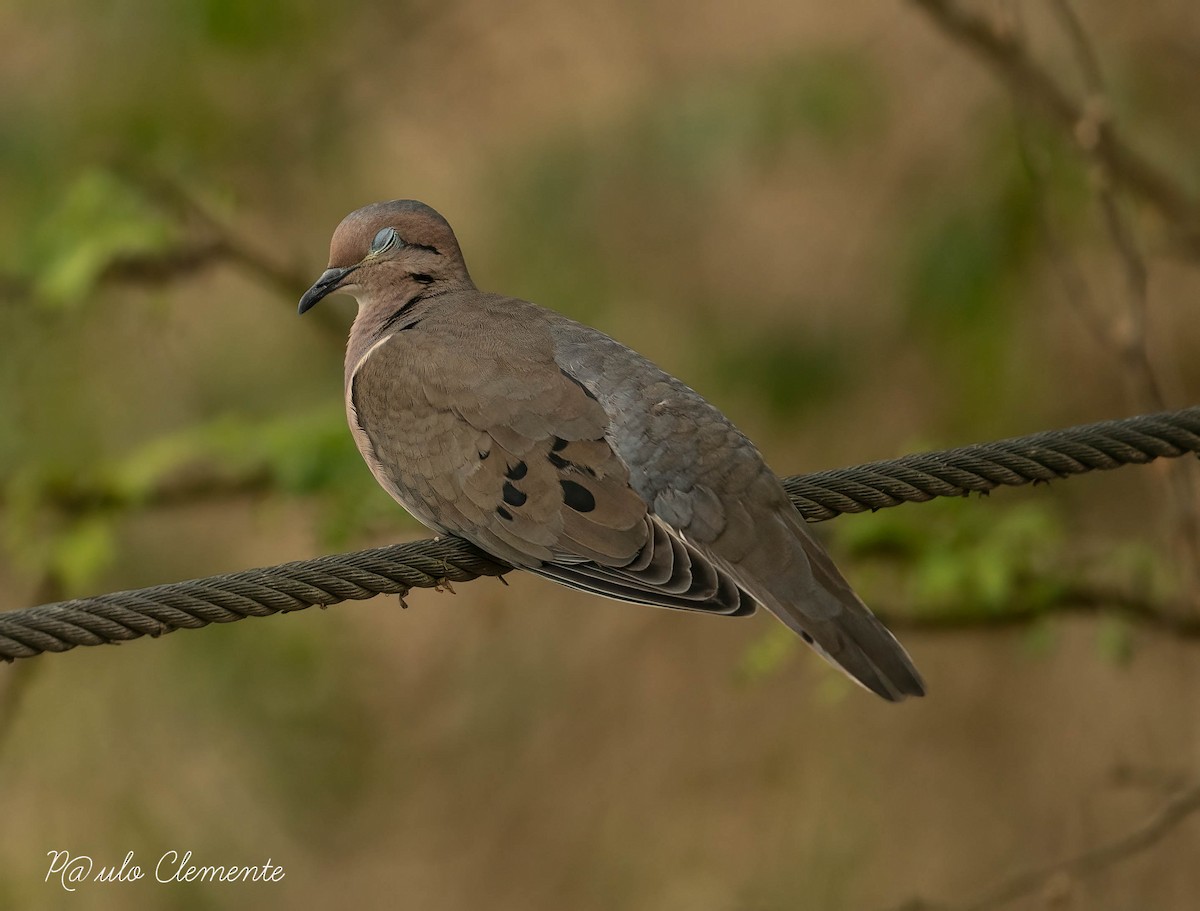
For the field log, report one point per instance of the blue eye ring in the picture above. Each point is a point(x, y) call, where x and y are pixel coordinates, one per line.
point(384, 240)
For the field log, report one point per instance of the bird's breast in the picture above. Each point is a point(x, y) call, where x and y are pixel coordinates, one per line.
point(394, 427)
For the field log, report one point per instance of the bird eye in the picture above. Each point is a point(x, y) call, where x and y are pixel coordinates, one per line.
point(386, 238)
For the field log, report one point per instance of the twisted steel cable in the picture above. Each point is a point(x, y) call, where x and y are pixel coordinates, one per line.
point(429, 563)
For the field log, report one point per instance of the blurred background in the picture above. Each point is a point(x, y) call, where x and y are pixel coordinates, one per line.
point(834, 221)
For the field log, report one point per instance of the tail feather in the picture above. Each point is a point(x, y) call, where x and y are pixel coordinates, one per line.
point(815, 600)
point(860, 646)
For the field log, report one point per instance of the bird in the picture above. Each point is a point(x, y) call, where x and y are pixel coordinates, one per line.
point(558, 450)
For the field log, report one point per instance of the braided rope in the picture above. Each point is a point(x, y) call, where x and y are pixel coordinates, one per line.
point(430, 563)
point(1045, 456)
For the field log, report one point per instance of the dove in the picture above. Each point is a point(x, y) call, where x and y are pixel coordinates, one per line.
point(558, 450)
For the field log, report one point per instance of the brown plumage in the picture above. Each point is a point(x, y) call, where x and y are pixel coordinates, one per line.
point(555, 448)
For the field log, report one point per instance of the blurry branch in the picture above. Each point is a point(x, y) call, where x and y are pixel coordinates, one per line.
point(1128, 340)
point(1125, 338)
point(220, 239)
point(221, 460)
point(1053, 879)
point(1131, 340)
point(164, 267)
point(1085, 52)
point(211, 243)
point(220, 244)
point(1086, 122)
point(1081, 599)
point(75, 497)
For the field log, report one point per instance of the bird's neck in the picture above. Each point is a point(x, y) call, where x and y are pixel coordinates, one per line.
point(377, 321)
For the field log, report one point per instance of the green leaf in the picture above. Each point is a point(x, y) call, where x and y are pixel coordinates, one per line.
point(954, 556)
point(99, 219)
point(75, 552)
point(310, 454)
point(83, 552)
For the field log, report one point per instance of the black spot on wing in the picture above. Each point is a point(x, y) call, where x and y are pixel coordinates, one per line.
point(504, 513)
point(516, 472)
point(558, 445)
point(512, 496)
point(558, 461)
point(578, 497)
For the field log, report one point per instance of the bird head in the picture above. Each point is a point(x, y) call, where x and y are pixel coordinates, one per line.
point(393, 251)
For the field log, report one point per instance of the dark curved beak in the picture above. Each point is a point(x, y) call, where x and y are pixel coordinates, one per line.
point(330, 281)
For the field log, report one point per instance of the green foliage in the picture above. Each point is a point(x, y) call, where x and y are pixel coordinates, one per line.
point(832, 97)
point(309, 455)
point(955, 556)
point(951, 557)
point(192, 85)
point(251, 27)
point(580, 214)
point(82, 551)
point(74, 551)
point(968, 256)
point(967, 259)
point(99, 219)
point(300, 454)
point(785, 372)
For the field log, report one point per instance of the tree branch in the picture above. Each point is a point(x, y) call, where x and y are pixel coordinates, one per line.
point(1125, 339)
point(171, 197)
point(1170, 816)
point(1088, 125)
point(1081, 599)
point(213, 243)
point(71, 496)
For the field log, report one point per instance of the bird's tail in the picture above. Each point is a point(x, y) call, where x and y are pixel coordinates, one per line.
point(861, 647)
point(818, 604)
